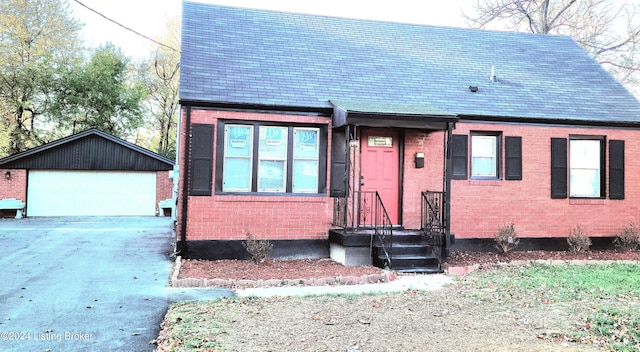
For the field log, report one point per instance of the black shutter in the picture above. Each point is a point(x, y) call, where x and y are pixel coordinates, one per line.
point(459, 152)
point(616, 169)
point(201, 160)
point(558, 168)
point(513, 158)
point(339, 162)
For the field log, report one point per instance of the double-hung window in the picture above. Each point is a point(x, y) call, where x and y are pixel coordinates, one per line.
point(578, 167)
point(238, 158)
point(305, 160)
point(585, 167)
point(485, 156)
point(271, 158)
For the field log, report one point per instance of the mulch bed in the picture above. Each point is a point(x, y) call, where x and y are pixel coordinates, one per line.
point(483, 258)
point(246, 273)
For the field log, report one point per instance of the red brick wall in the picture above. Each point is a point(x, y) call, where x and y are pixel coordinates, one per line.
point(227, 217)
point(181, 172)
point(416, 181)
point(480, 207)
point(164, 185)
point(16, 186)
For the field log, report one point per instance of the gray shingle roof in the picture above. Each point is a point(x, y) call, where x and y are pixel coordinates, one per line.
point(243, 56)
point(88, 150)
point(389, 108)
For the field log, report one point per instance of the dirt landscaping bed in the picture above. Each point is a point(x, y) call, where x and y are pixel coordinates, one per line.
point(313, 272)
point(491, 258)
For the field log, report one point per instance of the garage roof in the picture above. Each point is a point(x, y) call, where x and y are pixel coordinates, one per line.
point(88, 150)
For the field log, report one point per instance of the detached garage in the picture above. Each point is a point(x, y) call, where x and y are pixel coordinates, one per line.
point(91, 173)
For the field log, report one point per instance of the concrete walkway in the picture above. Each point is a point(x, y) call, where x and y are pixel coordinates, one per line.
point(401, 283)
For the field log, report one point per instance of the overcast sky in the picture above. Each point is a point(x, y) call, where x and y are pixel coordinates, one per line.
point(148, 16)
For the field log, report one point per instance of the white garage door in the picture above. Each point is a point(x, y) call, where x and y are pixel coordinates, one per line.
point(91, 193)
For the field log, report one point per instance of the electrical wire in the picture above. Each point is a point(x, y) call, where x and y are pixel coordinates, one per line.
point(127, 28)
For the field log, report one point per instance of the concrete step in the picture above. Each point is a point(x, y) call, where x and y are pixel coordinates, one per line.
point(409, 263)
point(430, 270)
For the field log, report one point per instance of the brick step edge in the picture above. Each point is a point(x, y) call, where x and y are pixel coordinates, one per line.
point(462, 270)
point(385, 276)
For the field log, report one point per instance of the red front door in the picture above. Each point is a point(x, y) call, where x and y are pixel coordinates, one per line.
point(380, 167)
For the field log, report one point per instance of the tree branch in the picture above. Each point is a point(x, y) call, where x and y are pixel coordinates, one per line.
point(553, 21)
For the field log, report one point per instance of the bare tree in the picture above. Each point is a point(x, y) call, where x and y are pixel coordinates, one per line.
point(161, 75)
point(165, 98)
point(609, 30)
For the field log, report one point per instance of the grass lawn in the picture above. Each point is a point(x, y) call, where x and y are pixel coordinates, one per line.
point(525, 308)
point(611, 293)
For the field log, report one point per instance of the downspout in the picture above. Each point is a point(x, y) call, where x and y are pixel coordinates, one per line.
point(447, 194)
point(355, 219)
point(175, 184)
point(185, 183)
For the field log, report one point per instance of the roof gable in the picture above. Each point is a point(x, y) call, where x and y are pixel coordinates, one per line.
point(255, 57)
point(88, 150)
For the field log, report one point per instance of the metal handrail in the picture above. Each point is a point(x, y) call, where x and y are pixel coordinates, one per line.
point(433, 220)
point(432, 211)
point(365, 210)
point(383, 229)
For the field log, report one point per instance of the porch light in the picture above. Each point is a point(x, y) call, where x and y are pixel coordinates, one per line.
point(353, 143)
point(7, 175)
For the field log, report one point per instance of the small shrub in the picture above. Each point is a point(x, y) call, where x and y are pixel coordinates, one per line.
point(578, 240)
point(507, 238)
point(629, 238)
point(259, 250)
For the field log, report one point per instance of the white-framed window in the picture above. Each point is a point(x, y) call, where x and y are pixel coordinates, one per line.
point(485, 156)
point(272, 159)
point(238, 158)
point(585, 167)
point(259, 157)
point(306, 155)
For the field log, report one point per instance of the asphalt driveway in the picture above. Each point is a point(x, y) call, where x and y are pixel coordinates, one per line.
point(86, 284)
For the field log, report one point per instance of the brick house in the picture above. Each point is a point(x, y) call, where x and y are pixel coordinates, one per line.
point(383, 142)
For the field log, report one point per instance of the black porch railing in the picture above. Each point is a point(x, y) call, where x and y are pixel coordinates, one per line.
point(365, 210)
point(380, 221)
point(433, 221)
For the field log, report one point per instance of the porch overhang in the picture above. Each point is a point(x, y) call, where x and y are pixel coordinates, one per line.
point(367, 114)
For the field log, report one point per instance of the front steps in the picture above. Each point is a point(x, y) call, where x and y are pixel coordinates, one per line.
point(410, 252)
